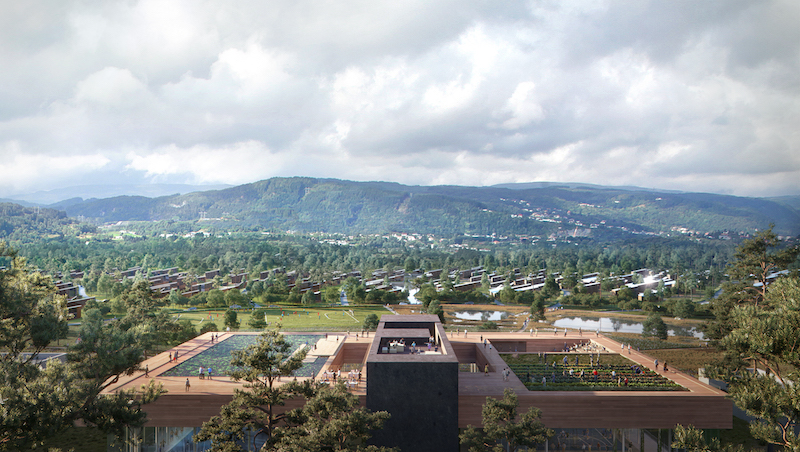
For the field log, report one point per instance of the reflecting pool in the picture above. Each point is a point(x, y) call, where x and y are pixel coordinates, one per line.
point(617, 325)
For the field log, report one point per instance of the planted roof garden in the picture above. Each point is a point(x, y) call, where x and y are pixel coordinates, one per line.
point(218, 357)
point(612, 373)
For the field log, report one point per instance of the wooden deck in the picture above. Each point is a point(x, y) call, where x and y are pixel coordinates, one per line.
point(701, 405)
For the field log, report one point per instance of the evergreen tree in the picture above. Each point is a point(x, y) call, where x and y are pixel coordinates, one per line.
point(502, 432)
point(39, 403)
point(434, 308)
point(754, 261)
point(371, 322)
point(764, 336)
point(654, 326)
point(331, 420)
point(231, 319)
point(256, 406)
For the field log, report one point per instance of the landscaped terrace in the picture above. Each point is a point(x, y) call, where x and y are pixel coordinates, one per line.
point(612, 372)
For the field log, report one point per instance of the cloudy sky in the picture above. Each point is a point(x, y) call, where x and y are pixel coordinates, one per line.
point(687, 95)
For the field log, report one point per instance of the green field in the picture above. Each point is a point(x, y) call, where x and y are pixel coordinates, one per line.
point(292, 318)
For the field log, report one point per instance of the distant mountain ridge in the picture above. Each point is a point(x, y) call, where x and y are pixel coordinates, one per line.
point(63, 196)
point(530, 185)
point(331, 205)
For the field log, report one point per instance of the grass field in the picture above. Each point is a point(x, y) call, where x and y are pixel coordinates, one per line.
point(293, 318)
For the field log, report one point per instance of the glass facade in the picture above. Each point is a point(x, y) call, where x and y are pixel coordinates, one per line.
point(171, 439)
point(608, 439)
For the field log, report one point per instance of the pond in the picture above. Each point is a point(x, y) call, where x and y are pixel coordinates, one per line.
point(412, 299)
point(484, 316)
point(616, 325)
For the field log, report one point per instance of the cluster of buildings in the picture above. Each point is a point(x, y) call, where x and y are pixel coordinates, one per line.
point(433, 395)
point(164, 281)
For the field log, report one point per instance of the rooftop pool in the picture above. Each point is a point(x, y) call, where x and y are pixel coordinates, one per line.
point(218, 356)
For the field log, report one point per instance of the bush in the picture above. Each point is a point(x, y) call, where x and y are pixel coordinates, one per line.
point(184, 331)
point(436, 309)
point(231, 319)
point(257, 319)
point(654, 326)
point(488, 326)
point(371, 322)
point(208, 326)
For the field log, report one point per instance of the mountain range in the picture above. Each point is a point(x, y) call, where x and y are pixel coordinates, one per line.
point(538, 209)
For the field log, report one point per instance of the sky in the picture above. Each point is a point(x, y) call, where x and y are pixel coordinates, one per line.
point(680, 95)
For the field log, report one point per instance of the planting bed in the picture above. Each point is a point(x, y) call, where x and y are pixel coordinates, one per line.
point(530, 369)
point(218, 357)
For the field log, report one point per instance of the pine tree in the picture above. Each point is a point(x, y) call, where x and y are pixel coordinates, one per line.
point(754, 261)
point(39, 403)
point(502, 432)
point(257, 406)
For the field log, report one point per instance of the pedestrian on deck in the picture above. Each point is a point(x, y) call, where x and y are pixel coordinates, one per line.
point(656, 362)
point(146, 370)
point(170, 356)
point(187, 385)
point(486, 370)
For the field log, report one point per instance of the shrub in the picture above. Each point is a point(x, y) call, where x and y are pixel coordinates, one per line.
point(371, 322)
point(208, 326)
point(654, 326)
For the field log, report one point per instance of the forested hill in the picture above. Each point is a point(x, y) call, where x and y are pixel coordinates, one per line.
point(328, 205)
point(21, 224)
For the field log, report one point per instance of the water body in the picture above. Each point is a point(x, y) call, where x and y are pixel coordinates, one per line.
point(616, 325)
point(411, 297)
point(484, 316)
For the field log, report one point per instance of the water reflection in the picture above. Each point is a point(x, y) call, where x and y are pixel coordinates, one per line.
point(484, 316)
point(617, 325)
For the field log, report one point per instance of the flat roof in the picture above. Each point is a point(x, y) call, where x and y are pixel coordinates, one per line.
point(701, 405)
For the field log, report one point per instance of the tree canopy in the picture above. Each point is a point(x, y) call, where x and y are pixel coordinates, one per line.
point(654, 326)
point(756, 326)
point(754, 261)
point(502, 432)
point(328, 421)
point(38, 403)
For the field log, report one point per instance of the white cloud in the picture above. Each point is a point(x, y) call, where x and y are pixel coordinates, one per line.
point(698, 97)
point(22, 171)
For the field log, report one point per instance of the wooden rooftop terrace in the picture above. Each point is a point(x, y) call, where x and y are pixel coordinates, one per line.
point(700, 405)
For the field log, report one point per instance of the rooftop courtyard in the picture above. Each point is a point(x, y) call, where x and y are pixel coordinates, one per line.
point(462, 369)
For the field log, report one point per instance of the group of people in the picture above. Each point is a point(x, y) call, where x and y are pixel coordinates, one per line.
point(352, 378)
point(202, 373)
